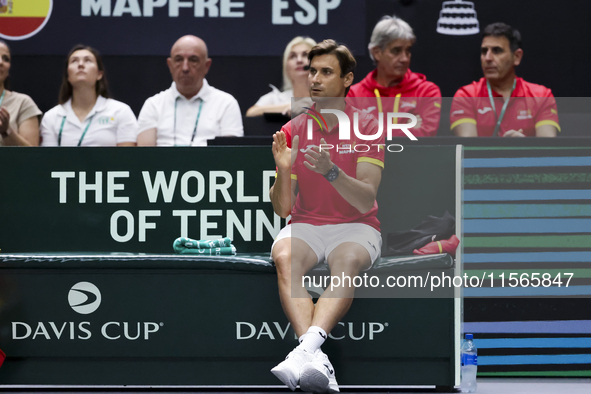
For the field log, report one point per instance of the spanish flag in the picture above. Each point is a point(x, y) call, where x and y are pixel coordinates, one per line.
point(20, 19)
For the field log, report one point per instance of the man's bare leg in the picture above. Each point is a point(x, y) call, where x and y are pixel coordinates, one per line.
point(293, 259)
point(349, 259)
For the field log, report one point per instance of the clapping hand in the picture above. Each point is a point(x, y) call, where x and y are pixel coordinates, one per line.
point(283, 155)
point(318, 160)
point(4, 120)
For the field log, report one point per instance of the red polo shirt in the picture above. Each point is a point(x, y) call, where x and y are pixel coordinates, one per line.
point(530, 106)
point(318, 202)
point(413, 95)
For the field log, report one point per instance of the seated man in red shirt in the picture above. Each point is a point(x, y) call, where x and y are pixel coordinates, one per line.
point(392, 87)
point(331, 196)
point(502, 104)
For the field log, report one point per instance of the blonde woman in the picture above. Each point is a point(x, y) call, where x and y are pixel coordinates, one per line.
point(295, 81)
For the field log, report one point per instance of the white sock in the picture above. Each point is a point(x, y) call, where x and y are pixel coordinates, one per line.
point(313, 339)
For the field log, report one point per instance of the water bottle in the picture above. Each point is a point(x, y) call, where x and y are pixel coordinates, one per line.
point(469, 365)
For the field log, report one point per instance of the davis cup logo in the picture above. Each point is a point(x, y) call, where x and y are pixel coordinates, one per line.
point(84, 298)
point(21, 19)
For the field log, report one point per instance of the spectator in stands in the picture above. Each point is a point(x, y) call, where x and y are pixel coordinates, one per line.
point(295, 81)
point(487, 107)
point(85, 115)
point(392, 86)
point(191, 111)
point(19, 116)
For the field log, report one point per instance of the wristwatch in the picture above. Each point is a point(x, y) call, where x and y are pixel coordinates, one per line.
point(332, 174)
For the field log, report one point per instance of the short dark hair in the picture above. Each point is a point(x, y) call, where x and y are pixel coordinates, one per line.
point(101, 87)
point(7, 80)
point(346, 59)
point(343, 54)
point(501, 29)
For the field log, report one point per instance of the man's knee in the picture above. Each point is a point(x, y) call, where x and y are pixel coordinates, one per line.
point(349, 265)
point(282, 257)
point(349, 262)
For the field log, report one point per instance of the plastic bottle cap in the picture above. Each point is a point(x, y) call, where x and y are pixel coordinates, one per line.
point(469, 336)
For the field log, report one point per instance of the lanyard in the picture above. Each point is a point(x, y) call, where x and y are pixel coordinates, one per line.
point(396, 103)
point(59, 137)
point(2, 97)
point(492, 103)
point(196, 121)
point(379, 100)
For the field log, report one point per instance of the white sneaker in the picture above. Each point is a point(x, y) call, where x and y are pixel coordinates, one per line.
point(288, 371)
point(318, 375)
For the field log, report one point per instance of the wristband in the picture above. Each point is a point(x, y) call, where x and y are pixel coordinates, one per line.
point(332, 174)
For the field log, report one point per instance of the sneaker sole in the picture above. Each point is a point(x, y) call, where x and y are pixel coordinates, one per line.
point(288, 379)
point(313, 380)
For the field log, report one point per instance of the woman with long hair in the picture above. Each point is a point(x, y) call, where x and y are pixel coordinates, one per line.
point(85, 115)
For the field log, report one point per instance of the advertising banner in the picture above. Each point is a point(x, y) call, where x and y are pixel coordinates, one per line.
point(143, 323)
point(150, 27)
point(135, 200)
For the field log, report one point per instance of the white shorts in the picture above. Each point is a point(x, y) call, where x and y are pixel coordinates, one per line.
point(324, 239)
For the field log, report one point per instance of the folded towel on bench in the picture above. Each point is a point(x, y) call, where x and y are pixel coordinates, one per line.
point(218, 247)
